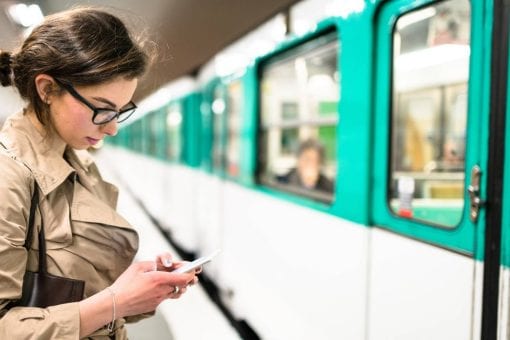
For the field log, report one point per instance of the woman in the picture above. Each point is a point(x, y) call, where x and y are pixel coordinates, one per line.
point(307, 174)
point(77, 72)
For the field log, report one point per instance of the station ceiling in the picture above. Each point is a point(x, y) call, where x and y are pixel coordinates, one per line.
point(187, 32)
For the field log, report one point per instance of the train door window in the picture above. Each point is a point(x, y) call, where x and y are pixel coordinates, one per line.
point(174, 131)
point(235, 92)
point(431, 49)
point(299, 94)
point(219, 108)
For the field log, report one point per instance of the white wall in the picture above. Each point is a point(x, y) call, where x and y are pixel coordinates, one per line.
point(10, 102)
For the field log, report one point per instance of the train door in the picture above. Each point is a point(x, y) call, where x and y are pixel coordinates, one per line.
point(431, 170)
point(210, 198)
point(154, 167)
point(232, 213)
point(182, 136)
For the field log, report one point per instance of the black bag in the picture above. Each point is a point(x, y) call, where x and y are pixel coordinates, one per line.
point(41, 289)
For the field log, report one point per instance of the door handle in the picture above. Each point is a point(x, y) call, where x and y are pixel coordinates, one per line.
point(475, 202)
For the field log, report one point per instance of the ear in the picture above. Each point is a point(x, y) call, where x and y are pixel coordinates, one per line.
point(44, 85)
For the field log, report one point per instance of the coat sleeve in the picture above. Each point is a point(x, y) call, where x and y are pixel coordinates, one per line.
point(139, 317)
point(57, 322)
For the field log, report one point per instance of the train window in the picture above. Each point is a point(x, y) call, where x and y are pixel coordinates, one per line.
point(137, 135)
point(152, 133)
point(174, 131)
point(130, 133)
point(429, 113)
point(235, 92)
point(299, 94)
point(218, 107)
point(157, 132)
point(133, 134)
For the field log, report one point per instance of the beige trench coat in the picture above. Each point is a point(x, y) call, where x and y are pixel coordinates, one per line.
point(86, 239)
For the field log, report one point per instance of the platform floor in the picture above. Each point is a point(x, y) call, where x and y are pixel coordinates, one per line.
point(192, 317)
point(154, 328)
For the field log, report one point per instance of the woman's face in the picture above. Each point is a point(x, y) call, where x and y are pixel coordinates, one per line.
point(309, 163)
point(73, 120)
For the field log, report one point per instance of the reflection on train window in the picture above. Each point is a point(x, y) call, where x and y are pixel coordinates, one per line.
point(174, 131)
point(234, 108)
point(299, 114)
point(218, 108)
point(429, 113)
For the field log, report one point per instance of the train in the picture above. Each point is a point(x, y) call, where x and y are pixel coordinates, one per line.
point(408, 100)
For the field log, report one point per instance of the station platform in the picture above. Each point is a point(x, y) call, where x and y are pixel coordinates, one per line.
point(192, 317)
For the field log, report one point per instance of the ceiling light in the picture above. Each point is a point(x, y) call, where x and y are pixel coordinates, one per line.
point(25, 15)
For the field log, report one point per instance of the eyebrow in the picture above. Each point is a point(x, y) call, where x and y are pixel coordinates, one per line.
point(106, 101)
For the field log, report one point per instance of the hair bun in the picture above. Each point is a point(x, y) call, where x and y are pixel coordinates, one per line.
point(5, 68)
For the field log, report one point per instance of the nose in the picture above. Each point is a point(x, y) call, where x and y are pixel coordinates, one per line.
point(110, 128)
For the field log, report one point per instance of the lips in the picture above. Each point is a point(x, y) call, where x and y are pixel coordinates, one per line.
point(92, 141)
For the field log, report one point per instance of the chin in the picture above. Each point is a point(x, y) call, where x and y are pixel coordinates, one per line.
point(80, 146)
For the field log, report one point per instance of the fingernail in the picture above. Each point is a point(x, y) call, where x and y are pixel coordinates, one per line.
point(167, 262)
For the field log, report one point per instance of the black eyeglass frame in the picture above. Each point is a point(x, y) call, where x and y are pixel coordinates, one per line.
point(97, 110)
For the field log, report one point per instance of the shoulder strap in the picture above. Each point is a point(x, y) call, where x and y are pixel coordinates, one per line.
point(30, 232)
point(31, 218)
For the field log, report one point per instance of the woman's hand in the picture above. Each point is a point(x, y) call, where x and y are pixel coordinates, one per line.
point(141, 288)
point(165, 262)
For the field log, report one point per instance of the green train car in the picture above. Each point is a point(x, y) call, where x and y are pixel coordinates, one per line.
point(407, 236)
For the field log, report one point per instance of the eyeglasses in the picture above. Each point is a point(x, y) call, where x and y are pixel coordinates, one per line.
point(101, 115)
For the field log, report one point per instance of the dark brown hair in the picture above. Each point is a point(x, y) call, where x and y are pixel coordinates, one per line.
point(312, 144)
point(83, 46)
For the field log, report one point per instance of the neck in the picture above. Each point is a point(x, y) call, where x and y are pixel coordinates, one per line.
point(47, 132)
point(35, 121)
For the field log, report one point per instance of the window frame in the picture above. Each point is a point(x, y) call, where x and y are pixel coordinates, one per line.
point(286, 49)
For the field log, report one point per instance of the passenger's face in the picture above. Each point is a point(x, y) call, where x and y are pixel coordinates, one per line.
point(73, 120)
point(309, 163)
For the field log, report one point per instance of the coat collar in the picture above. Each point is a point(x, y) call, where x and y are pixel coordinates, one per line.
point(44, 156)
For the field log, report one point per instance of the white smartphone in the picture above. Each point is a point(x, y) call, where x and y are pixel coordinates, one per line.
point(187, 267)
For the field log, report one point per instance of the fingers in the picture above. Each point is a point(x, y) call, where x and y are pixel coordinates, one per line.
point(170, 285)
point(164, 260)
point(145, 266)
point(171, 279)
point(193, 282)
point(176, 292)
point(178, 264)
point(174, 284)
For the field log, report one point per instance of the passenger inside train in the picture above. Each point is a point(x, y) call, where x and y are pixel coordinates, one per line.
point(307, 173)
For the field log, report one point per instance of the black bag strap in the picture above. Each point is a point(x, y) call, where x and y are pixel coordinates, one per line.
point(30, 232)
point(31, 218)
